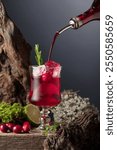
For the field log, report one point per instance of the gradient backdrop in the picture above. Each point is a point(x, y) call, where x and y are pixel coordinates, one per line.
point(78, 51)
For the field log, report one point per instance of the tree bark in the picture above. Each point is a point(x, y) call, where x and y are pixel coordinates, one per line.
point(14, 61)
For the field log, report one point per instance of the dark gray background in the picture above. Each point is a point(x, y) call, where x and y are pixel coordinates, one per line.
point(78, 51)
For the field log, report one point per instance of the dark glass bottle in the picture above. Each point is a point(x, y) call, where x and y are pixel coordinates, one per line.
point(93, 13)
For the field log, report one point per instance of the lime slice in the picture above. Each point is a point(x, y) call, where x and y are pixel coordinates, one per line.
point(33, 113)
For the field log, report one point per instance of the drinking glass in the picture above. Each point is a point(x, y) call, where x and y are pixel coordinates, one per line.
point(45, 86)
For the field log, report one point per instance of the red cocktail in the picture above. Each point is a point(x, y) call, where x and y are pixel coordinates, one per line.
point(45, 84)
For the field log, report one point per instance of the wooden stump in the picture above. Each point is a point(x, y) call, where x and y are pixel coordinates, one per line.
point(14, 61)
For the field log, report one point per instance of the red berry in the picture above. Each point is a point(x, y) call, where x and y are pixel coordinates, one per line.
point(46, 77)
point(3, 128)
point(17, 129)
point(26, 126)
point(10, 126)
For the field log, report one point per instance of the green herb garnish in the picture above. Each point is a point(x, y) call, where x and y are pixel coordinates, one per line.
point(38, 55)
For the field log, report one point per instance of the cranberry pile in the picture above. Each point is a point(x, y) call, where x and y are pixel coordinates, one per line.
point(15, 128)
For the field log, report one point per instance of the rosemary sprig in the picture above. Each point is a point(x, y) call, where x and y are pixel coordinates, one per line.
point(38, 55)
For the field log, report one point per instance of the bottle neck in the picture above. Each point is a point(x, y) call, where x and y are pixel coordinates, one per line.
point(91, 14)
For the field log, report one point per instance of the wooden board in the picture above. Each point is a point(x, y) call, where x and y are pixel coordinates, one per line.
point(28, 141)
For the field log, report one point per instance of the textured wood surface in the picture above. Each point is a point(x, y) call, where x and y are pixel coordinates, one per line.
point(29, 141)
point(14, 61)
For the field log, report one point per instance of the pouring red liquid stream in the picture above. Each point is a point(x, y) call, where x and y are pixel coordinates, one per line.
point(52, 45)
point(54, 39)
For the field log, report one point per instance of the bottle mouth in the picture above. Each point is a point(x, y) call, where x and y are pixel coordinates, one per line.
point(72, 22)
point(75, 22)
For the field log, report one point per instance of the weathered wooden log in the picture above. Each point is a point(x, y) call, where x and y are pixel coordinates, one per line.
point(14, 61)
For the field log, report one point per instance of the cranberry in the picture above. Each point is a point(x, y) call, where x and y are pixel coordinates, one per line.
point(10, 126)
point(26, 126)
point(17, 129)
point(3, 128)
point(46, 77)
